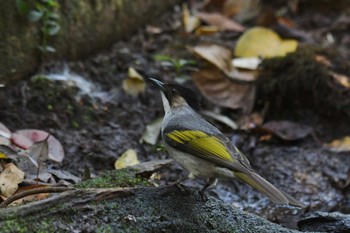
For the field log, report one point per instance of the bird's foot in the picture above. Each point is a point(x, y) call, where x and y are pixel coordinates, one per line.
point(203, 195)
point(181, 187)
point(210, 182)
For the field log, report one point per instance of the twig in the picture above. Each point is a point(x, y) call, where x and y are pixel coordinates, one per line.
point(32, 192)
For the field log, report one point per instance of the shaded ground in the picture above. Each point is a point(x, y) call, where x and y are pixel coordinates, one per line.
point(95, 133)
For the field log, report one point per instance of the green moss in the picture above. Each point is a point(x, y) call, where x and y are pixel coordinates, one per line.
point(117, 178)
point(12, 222)
point(19, 226)
point(13, 226)
point(104, 229)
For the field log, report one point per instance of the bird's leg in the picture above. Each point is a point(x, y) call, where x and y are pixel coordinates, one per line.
point(178, 181)
point(181, 179)
point(210, 182)
point(178, 184)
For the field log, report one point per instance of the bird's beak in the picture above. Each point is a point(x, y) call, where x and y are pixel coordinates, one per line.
point(157, 83)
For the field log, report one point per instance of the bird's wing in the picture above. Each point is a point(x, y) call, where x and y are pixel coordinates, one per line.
point(215, 148)
point(220, 150)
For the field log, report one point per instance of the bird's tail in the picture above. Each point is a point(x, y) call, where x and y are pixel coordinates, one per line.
point(262, 185)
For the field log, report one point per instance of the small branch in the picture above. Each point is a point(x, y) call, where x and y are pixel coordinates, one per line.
point(33, 192)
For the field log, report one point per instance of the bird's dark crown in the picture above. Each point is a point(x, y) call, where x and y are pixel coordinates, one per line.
point(171, 91)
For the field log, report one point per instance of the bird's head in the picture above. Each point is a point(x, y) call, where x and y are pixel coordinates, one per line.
point(174, 95)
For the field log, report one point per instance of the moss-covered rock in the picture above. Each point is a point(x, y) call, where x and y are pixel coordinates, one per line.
point(122, 201)
point(163, 209)
point(299, 81)
point(115, 178)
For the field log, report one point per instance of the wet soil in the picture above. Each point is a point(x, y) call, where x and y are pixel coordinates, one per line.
point(95, 132)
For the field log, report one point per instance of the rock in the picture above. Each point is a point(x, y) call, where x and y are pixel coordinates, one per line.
point(147, 209)
point(325, 222)
point(124, 202)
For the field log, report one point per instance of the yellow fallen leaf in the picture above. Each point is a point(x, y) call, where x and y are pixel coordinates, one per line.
point(152, 132)
point(134, 84)
point(128, 158)
point(10, 177)
point(339, 145)
point(190, 22)
point(206, 30)
point(263, 42)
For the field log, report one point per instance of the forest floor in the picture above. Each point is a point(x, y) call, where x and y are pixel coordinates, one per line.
point(97, 126)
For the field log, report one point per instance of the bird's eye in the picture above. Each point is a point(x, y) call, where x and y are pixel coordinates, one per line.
point(173, 91)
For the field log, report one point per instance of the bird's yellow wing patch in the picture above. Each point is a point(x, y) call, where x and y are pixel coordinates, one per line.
point(198, 141)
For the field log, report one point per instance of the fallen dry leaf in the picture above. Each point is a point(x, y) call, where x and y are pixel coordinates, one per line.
point(287, 22)
point(263, 42)
point(4, 131)
point(250, 63)
point(206, 30)
point(40, 150)
point(146, 169)
point(339, 145)
point(221, 57)
point(5, 141)
point(213, 5)
point(7, 152)
point(244, 9)
point(286, 130)
point(128, 158)
point(323, 60)
point(218, 55)
point(10, 177)
point(63, 175)
point(221, 118)
point(341, 79)
point(233, 7)
point(153, 30)
point(27, 137)
point(216, 87)
point(30, 198)
point(220, 21)
point(190, 22)
point(134, 84)
point(252, 121)
point(35, 197)
point(152, 132)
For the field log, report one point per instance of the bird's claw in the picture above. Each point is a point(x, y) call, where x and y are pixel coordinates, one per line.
point(203, 195)
point(183, 189)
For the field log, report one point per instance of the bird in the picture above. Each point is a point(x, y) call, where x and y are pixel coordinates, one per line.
point(202, 149)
